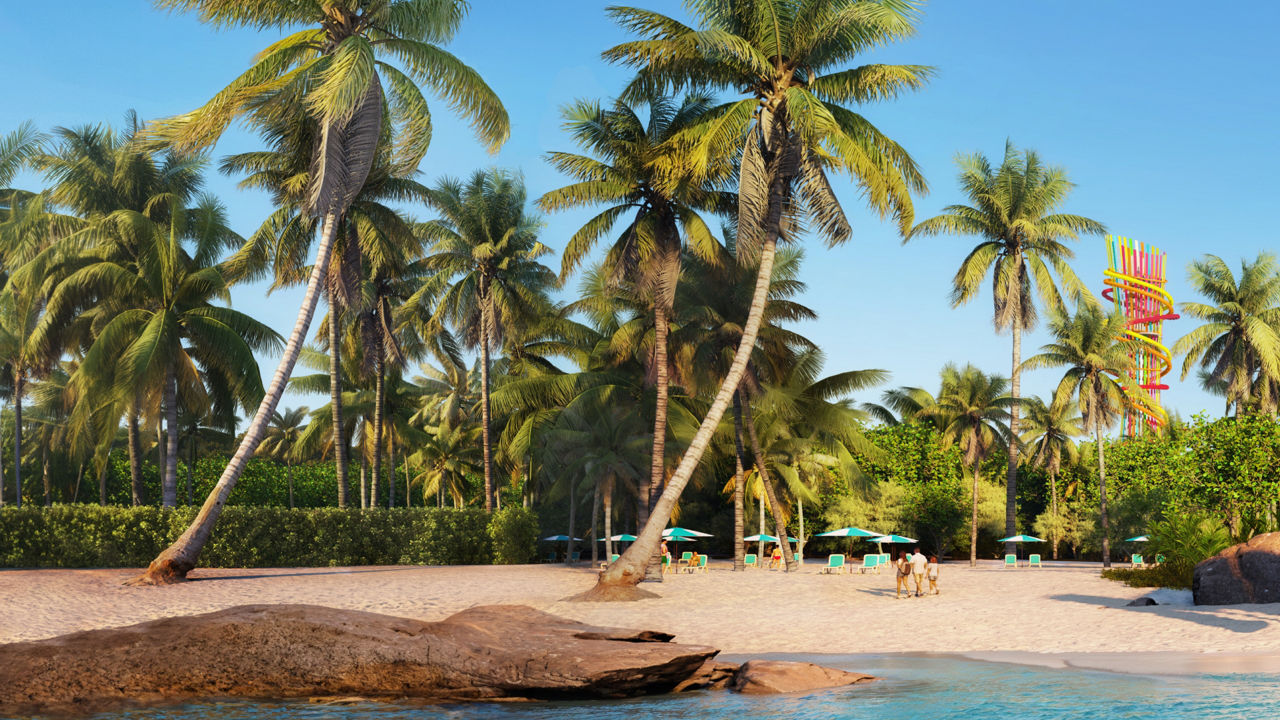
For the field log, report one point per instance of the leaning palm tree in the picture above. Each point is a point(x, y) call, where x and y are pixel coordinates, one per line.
point(1098, 363)
point(786, 59)
point(976, 406)
point(1049, 436)
point(281, 441)
point(1015, 211)
point(1239, 341)
point(336, 60)
point(487, 277)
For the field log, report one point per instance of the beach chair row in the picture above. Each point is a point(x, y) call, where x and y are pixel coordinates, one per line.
point(1137, 561)
point(871, 563)
point(1011, 561)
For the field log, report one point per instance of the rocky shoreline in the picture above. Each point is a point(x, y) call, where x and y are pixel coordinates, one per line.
point(507, 652)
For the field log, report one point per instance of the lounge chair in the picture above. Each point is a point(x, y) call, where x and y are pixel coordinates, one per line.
point(870, 562)
point(835, 564)
point(551, 557)
point(1136, 561)
point(1159, 559)
point(797, 559)
point(685, 557)
point(577, 556)
point(751, 560)
point(700, 567)
point(1011, 561)
point(1034, 561)
point(884, 558)
point(614, 558)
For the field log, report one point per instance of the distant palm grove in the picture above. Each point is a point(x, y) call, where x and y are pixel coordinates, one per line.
point(651, 366)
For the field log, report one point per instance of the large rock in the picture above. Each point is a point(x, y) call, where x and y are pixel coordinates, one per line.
point(306, 651)
point(766, 677)
point(1244, 573)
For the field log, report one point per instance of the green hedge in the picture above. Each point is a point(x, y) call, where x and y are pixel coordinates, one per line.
point(78, 536)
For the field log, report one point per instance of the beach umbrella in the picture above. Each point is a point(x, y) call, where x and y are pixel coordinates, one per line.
point(624, 537)
point(766, 538)
point(892, 539)
point(560, 538)
point(1138, 538)
point(1020, 539)
point(679, 533)
point(849, 532)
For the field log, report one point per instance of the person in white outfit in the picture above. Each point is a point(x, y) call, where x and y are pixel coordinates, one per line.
point(918, 564)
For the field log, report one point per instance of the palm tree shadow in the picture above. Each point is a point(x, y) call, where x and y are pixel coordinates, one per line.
point(1208, 618)
point(265, 576)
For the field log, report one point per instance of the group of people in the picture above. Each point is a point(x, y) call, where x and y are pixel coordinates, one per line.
point(917, 566)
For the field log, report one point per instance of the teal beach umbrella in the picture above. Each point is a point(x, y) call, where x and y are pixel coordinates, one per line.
point(1020, 538)
point(1138, 538)
point(679, 533)
point(765, 538)
point(849, 532)
point(560, 538)
point(892, 539)
point(624, 537)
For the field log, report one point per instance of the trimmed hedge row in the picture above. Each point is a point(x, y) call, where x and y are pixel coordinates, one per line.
point(79, 536)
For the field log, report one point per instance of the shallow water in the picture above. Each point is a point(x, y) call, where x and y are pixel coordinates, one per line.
point(932, 688)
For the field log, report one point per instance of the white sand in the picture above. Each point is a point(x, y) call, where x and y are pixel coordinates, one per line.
point(1064, 608)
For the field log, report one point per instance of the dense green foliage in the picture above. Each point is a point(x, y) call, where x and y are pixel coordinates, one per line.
point(92, 536)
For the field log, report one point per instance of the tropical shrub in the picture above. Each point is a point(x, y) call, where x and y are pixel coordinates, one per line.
point(514, 531)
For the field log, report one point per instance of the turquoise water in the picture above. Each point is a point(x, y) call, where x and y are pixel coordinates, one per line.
point(932, 688)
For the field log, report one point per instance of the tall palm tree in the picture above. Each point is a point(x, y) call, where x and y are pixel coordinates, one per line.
point(1015, 211)
point(629, 171)
point(487, 277)
point(976, 406)
point(281, 441)
point(24, 354)
point(1238, 344)
point(1049, 437)
point(336, 60)
point(789, 126)
point(1090, 345)
point(444, 460)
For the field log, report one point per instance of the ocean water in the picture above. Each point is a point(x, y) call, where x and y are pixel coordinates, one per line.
point(924, 688)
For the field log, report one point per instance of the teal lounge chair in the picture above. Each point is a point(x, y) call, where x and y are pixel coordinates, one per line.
point(751, 560)
point(1011, 561)
point(686, 556)
point(1034, 561)
point(835, 564)
point(870, 562)
point(614, 558)
point(796, 557)
point(884, 558)
point(577, 556)
point(551, 557)
point(700, 567)
point(1136, 561)
point(1159, 559)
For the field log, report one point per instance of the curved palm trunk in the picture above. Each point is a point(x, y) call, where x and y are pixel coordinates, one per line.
point(173, 564)
point(375, 471)
point(484, 403)
point(771, 492)
point(135, 457)
point(169, 487)
point(658, 464)
point(1102, 493)
point(739, 527)
point(973, 521)
point(17, 437)
point(340, 456)
point(1015, 390)
point(619, 580)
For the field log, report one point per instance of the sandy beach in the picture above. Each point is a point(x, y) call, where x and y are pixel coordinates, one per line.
point(988, 612)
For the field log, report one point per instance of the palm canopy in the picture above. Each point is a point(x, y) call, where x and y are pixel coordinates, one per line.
point(1097, 358)
point(1015, 212)
point(281, 440)
point(1239, 339)
point(976, 408)
point(1050, 432)
point(789, 59)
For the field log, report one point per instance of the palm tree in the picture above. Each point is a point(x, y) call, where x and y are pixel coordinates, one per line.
point(629, 171)
point(23, 353)
point(1015, 212)
point(444, 460)
point(789, 128)
point(487, 278)
point(1238, 343)
point(1049, 438)
point(336, 60)
point(1098, 360)
point(976, 406)
point(281, 441)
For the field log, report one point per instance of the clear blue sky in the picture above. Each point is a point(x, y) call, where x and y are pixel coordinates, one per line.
point(1164, 114)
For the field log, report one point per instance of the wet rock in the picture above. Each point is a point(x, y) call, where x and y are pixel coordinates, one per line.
point(1244, 573)
point(766, 677)
point(307, 651)
point(1141, 602)
point(711, 676)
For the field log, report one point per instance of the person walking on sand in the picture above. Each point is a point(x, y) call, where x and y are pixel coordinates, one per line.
point(904, 574)
point(932, 572)
point(918, 564)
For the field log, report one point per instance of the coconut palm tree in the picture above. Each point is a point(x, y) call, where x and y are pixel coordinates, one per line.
point(23, 353)
point(1015, 211)
point(487, 278)
point(444, 460)
point(1049, 437)
point(629, 171)
point(976, 406)
point(1238, 344)
point(1098, 360)
point(336, 60)
point(281, 441)
point(787, 60)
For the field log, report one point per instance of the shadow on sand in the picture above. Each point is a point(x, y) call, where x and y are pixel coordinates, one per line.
point(293, 573)
point(1206, 617)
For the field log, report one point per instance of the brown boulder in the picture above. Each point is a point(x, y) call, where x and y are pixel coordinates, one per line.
point(767, 677)
point(1244, 573)
point(307, 651)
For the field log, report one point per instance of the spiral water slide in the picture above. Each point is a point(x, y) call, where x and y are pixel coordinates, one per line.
point(1135, 283)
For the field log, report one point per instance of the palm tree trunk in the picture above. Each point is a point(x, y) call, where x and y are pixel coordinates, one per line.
point(1102, 492)
point(973, 521)
point(289, 471)
point(379, 390)
point(739, 550)
point(102, 482)
point(1015, 392)
point(779, 528)
point(191, 462)
point(595, 513)
point(391, 473)
point(75, 494)
point(17, 436)
point(2, 484)
point(135, 457)
point(484, 408)
point(340, 457)
point(658, 464)
point(169, 488)
point(608, 518)
point(178, 559)
point(568, 551)
point(1053, 499)
point(364, 483)
point(760, 527)
point(44, 474)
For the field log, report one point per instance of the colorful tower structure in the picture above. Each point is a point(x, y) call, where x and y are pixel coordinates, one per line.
point(1135, 283)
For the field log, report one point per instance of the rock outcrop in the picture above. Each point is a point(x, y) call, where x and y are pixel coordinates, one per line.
point(306, 651)
point(766, 677)
point(1244, 573)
